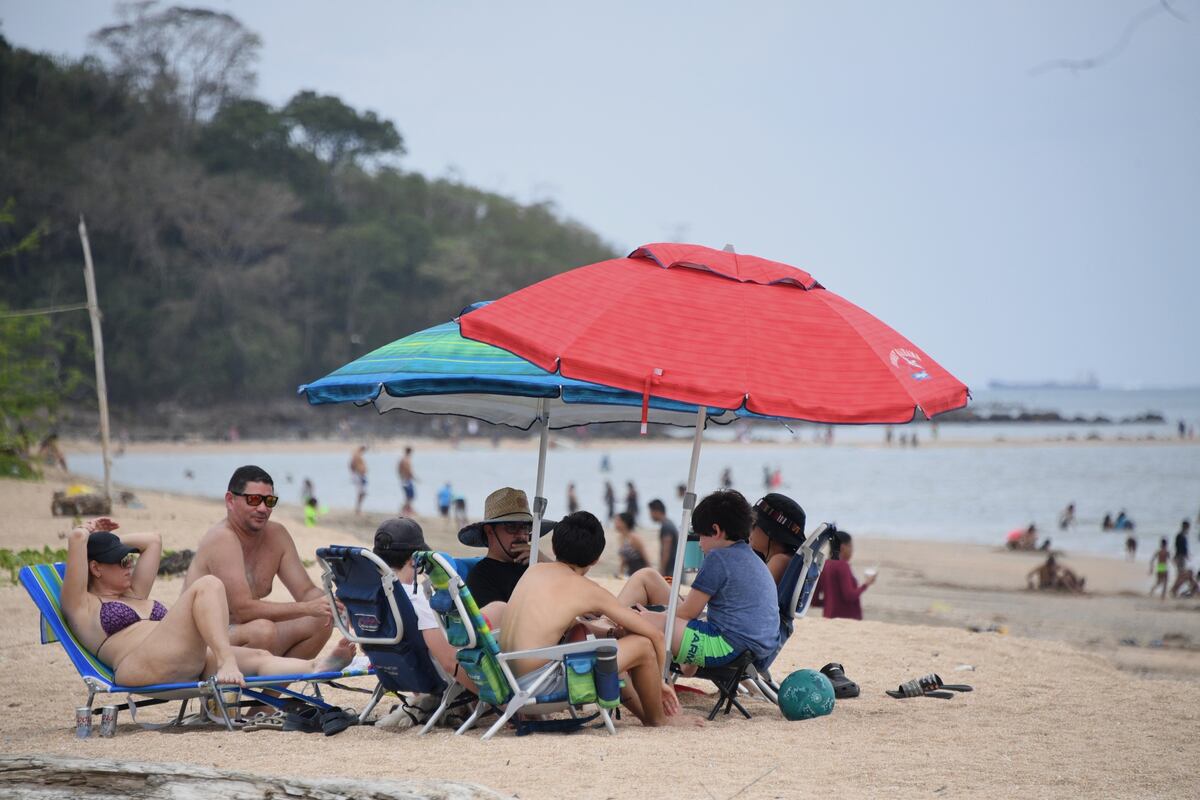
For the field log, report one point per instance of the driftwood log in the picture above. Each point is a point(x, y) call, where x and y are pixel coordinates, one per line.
point(55, 778)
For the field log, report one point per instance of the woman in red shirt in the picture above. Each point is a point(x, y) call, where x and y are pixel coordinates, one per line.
point(837, 589)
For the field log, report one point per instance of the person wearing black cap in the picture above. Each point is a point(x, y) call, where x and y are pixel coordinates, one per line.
point(106, 601)
point(778, 531)
point(395, 542)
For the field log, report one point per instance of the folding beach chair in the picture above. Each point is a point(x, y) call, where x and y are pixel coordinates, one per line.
point(44, 584)
point(382, 620)
point(577, 674)
point(795, 594)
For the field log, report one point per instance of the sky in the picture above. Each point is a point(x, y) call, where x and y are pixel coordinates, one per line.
point(927, 160)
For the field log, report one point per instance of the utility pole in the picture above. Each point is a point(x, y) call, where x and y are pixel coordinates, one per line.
point(93, 307)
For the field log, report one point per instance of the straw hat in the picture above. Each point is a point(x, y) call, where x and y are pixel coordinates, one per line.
point(503, 505)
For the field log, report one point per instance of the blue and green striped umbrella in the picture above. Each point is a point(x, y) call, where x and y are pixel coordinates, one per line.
point(437, 371)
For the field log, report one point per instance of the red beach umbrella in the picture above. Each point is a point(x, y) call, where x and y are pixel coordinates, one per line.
point(721, 329)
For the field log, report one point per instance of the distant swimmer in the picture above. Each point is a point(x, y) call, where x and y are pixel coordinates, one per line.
point(1066, 518)
point(358, 475)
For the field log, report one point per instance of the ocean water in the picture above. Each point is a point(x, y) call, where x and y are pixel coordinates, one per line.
point(962, 493)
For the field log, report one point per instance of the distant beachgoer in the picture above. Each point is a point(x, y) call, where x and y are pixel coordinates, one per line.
point(1066, 519)
point(888, 435)
point(106, 600)
point(1022, 538)
point(460, 510)
point(1158, 567)
point(1051, 576)
point(306, 489)
point(49, 452)
point(572, 499)
point(727, 478)
point(837, 588)
point(1123, 522)
point(1130, 547)
point(358, 475)
point(310, 512)
point(766, 478)
point(1182, 572)
point(633, 550)
point(777, 478)
point(610, 499)
point(605, 463)
point(445, 497)
point(668, 537)
point(407, 481)
point(631, 500)
point(1107, 523)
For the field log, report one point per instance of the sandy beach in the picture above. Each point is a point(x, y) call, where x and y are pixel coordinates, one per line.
point(1061, 707)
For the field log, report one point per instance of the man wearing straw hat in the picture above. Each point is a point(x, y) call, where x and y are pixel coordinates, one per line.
point(505, 532)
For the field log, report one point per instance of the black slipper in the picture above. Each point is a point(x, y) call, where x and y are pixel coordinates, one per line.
point(306, 720)
point(843, 687)
point(336, 720)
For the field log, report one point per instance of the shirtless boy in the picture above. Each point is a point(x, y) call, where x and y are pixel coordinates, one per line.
point(551, 595)
point(247, 552)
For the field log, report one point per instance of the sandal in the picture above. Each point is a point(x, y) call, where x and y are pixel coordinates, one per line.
point(265, 722)
point(336, 720)
point(930, 685)
point(307, 720)
point(843, 687)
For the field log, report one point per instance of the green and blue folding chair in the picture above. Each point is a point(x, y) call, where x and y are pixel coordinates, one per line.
point(577, 674)
point(44, 584)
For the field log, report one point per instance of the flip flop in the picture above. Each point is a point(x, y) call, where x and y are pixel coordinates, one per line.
point(843, 687)
point(930, 685)
point(337, 720)
point(307, 720)
point(265, 722)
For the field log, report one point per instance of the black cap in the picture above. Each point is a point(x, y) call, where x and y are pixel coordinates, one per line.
point(399, 533)
point(781, 519)
point(106, 548)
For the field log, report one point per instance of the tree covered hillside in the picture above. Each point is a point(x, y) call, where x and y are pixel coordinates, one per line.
point(241, 248)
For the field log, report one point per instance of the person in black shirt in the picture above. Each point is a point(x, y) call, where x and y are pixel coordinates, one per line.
point(505, 532)
point(668, 537)
point(1183, 575)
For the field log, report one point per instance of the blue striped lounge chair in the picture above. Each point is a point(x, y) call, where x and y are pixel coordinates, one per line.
point(44, 584)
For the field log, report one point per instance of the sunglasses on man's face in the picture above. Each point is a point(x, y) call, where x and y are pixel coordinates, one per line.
point(255, 499)
point(515, 528)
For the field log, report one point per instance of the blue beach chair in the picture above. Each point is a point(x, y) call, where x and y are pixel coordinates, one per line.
point(44, 584)
point(381, 619)
point(577, 674)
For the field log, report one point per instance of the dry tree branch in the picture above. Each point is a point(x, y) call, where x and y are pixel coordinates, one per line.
point(1077, 65)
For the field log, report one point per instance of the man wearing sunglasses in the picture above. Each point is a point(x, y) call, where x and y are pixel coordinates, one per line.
point(247, 551)
point(505, 531)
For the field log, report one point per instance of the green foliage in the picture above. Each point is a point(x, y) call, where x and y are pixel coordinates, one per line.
point(14, 560)
point(241, 249)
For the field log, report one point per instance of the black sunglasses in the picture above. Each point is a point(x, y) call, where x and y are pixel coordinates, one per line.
point(255, 499)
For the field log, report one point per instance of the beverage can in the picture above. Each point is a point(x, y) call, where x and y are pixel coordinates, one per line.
point(83, 722)
point(108, 722)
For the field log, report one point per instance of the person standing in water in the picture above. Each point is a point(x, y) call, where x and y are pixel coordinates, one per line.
point(358, 475)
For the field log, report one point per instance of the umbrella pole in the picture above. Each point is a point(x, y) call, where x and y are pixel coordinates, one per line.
point(689, 502)
point(539, 502)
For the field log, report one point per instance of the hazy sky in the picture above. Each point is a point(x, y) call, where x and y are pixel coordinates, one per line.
point(1014, 224)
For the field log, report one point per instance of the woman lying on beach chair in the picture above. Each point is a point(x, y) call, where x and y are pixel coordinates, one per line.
point(105, 597)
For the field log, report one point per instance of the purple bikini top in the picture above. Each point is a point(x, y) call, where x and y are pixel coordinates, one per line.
point(116, 616)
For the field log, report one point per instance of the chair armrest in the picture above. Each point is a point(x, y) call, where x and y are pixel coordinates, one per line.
point(557, 651)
